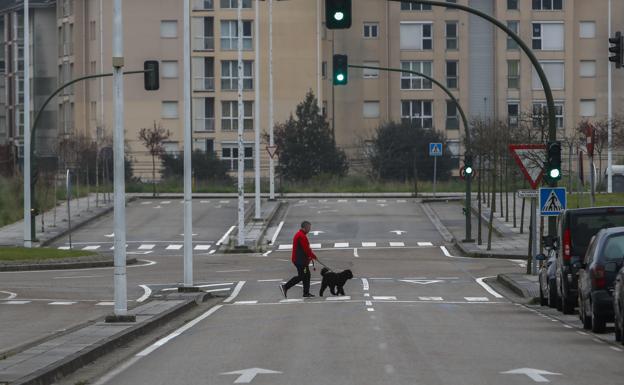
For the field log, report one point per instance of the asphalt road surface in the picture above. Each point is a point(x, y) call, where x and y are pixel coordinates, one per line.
point(413, 314)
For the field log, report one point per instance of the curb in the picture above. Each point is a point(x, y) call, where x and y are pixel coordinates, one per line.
point(267, 222)
point(484, 254)
point(286, 195)
point(78, 360)
point(484, 218)
point(59, 266)
point(510, 284)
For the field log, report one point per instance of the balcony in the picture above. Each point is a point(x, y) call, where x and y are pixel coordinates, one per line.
point(204, 124)
point(203, 5)
point(203, 84)
point(203, 43)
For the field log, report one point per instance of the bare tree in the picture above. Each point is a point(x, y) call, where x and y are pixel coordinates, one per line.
point(153, 139)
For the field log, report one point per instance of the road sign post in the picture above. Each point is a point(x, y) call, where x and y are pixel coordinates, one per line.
point(435, 150)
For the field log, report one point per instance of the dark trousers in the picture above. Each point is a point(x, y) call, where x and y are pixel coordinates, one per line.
point(303, 274)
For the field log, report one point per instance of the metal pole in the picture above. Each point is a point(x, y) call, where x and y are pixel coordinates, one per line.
point(319, 91)
point(28, 233)
point(120, 295)
point(257, 113)
point(435, 171)
point(241, 143)
point(610, 119)
point(188, 148)
point(68, 194)
point(271, 137)
point(534, 245)
point(592, 181)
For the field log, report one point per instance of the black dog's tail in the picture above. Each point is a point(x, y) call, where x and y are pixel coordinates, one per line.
point(324, 271)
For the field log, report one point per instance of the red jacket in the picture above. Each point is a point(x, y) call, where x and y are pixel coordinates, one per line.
point(301, 252)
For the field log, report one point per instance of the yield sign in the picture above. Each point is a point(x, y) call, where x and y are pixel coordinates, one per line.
point(272, 150)
point(530, 158)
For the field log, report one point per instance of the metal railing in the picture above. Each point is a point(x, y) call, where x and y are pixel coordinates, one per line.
point(203, 84)
point(205, 124)
point(203, 5)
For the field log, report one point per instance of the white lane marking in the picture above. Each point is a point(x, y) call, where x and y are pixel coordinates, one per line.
point(397, 244)
point(582, 333)
point(146, 247)
point(369, 303)
point(369, 244)
point(370, 309)
point(270, 280)
point(224, 237)
point(224, 202)
point(431, 298)
point(361, 200)
point(216, 284)
point(476, 299)
point(567, 326)
point(14, 302)
point(285, 247)
point(63, 248)
point(616, 348)
point(216, 290)
point(366, 295)
point(267, 253)
point(341, 298)
point(212, 252)
point(174, 247)
point(91, 247)
point(245, 302)
point(381, 201)
point(342, 201)
point(322, 200)
point(176, 333)
point(384, 298)
point(10, 293)
point(237, 290)
point(303, 201)
point(382, 278)
point(165, 202)
point(158, 207)
point(105, 304)
point(146, 203)
point(401, 201)
point(447, 278)
point(291, 300)
point(445, 251)
point(315, 245)
point(355, 253)
point(203, 247)
point(277, 231)
point(62, 303)
point(487, 287)
point(422, 244)
point(341, 245)
point(231, 271)
point(365, 285)
point(79, 276)
point(149, 263)
point(146, 293)
point(204, 201)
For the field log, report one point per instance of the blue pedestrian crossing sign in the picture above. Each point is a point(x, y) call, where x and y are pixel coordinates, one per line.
point(552, 201)
point(435, 149)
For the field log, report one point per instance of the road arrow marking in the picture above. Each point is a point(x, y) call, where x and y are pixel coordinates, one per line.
point(316, 232)
point(247, 375)
point(536, 375)
point(421, 281)
point(398, 232)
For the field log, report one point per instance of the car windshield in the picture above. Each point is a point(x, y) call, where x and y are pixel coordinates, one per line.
point(583, 227)
point(614, 248)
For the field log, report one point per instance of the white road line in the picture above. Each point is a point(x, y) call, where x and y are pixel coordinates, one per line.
point(224, 237)
point(78, 277)
point(224, 202)
point(322, 200)
point(10, 293)
point(366, 295)
point(216, 284)
point(270, 280)
point(616, 348)
point(341, 298)
point(423, 244)
point(237, 290)
point(381, 201)
point(285, 247)
point(446, 278)
point(277, 231)
point(315, 246)
point(216, 290)
point(91, 247)
point(369, 303)
point(15, 302)
point(165, 202)
point(174, 247)
point(63, 248)
point(267, 253)
point(341, 245)
point(567, 326)
point(355, 253)
point(384, 298)
point(203, 247)
point(361, 200)
point(62, 303)
point(105, 304)
point(146, 293)
point(231, 271)
point(146, 247)
point(291, 300)
point(582, 333)
point(245, 302)
point(476, 299)
point(342, 201)
point(369, 244)
point(370, 309)
point(401, 201)
point(431, 298)
point(212, 252)
point(365, 285)
point(204, 201)
point(397, 244)
point(146, 203)
point(487, 287)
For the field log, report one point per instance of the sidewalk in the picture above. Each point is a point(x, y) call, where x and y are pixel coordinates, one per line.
point(55, 223)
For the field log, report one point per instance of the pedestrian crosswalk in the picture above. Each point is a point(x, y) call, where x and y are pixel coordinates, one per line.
point(141, 248)
point(365, 244)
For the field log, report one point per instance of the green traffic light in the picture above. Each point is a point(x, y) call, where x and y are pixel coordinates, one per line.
point(340, 77)
point(468, 170)
point(555, 173)
point(339, 16)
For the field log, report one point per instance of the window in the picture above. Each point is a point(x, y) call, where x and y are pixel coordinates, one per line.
point(229, 115)
point(451, 74)
point(411, 81)
point(368, 73)
point(169, 69)
point(548, 36)
point(203, 114)
point(233, 4)
point(414, 7)
point(512, 4)
point(587, 108)
point(451, 35)
point(416, 36)
point(371, 109)
point(554, 73)
point(229, 35)
point(540, 114)
point(371, 30)
point(418, 113)
point(547, 5)
point(452, 119)
point(513, 113)
point(92, 33)
point(514, 26)
point(229, 153)
point(587, 29)
point(229, 75)
point(513, 74)
point(588, 68)
point(169, 29)
point(169, 110)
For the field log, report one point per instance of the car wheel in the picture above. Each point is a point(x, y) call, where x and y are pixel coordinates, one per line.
point(552, 293)
point(599, 323)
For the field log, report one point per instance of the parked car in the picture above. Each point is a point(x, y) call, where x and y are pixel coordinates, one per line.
point(547, 279)
point(618, 306)
point(603, 260)
point(575, 229)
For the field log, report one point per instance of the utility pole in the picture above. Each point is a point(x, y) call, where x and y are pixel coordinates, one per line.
point(28, 233)
point(257, 113)
point(241, 143)
point(188, 148)
point(271, 137)
point(610, 117)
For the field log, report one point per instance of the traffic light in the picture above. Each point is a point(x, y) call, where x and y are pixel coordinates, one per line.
point(151, 77)
point(341, 74)
point(468, 170)
point(553, 161)
point(338, 14)
point(617, 49)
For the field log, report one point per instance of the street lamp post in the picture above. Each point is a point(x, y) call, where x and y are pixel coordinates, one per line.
point(241, 143)
point(188, 148)
point(257, 114)
point(28, 233)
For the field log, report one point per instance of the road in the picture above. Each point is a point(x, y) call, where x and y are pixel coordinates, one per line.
point(413, 314)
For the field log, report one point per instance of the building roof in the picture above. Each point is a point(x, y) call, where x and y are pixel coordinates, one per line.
point(9, 5)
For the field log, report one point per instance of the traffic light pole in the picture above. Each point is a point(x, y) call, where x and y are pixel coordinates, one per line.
point(466, 129)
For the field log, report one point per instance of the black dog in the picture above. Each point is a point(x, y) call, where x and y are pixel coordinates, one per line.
point(335, 281)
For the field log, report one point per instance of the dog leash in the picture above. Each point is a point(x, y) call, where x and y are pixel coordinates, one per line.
point(324, 265)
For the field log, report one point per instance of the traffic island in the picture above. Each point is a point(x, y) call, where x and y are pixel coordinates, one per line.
point(41, 258)
point(526, 286)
